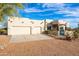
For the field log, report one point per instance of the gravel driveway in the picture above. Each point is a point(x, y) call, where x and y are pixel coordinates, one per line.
point(23, 38)
point(45, 47)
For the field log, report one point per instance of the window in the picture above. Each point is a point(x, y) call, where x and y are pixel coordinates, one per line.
point(61, 28)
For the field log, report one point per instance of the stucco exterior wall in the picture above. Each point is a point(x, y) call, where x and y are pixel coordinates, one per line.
point(24, 26)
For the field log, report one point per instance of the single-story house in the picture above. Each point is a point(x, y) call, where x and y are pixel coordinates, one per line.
point(25, 26)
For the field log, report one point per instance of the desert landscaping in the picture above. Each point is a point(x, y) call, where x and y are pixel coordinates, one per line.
point(31, 29)
point(51, 47)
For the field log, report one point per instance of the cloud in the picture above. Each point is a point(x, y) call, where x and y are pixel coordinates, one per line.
point(69, 11)
point(73, 22)
point(32, 10)
point(53, 5)
point(49, 6)
point(74, 13)
point(29, 10)
point(63, 9)
point(56, 8)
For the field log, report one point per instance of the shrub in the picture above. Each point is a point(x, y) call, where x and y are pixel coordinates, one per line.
point(76, 33)
point(69, 35)
point(45, 32)
point(3, 31)
point(53, 32)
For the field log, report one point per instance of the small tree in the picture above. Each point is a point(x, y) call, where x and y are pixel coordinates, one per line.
point(9, 9)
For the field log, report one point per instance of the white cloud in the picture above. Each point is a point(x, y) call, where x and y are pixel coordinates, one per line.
point(57, 5)
point(32, 10)
point(73, 22)
point(37, 10)
point(62, 9)
point(73, 13)
point(59, 8)
point(69, 11)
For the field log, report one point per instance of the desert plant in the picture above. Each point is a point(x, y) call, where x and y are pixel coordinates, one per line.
point(3, 31)
point(69, 35)
point(53, 32)
point(45, 32)
point(76, 33)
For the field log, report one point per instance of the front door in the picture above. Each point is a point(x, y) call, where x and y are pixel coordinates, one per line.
point(62, 32)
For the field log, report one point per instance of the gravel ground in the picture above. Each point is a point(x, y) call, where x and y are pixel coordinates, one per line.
point(52, 47)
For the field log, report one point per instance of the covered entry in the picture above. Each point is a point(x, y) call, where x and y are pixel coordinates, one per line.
point(58, 26)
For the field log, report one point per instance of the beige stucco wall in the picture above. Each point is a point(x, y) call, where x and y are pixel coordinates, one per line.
point(24, 26)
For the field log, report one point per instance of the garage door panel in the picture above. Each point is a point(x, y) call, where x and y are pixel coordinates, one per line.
point(36, 30)
point(20, 30)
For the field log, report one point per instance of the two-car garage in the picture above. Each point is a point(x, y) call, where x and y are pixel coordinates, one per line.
point(24, 26)
point(25, 30)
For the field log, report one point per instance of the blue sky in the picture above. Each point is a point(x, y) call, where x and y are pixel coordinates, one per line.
point(56, 11)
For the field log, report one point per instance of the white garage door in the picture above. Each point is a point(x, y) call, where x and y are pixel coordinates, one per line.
point(17, 30)
point(20, 31)
point(36, 30)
